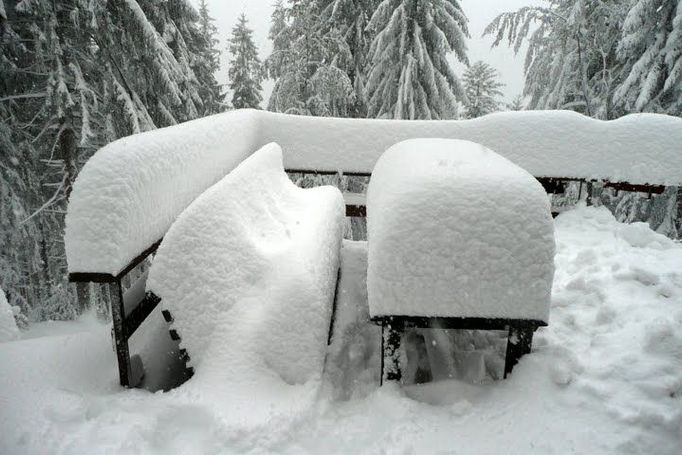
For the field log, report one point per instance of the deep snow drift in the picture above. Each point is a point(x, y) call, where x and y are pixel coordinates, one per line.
point(455, 229)
point(130, 192)
point(248, 273)
point(603, 378)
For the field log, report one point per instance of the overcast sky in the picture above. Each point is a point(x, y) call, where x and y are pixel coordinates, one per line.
point(479, 12)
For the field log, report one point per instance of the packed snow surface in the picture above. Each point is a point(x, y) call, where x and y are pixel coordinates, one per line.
point(8, 326)
point(603, 378)
point(248, 273)
point(456, 230)
point(127, 196)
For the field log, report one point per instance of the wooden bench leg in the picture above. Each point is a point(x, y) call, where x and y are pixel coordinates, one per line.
point(120, 337)
point(519, 343)
point(391, 334)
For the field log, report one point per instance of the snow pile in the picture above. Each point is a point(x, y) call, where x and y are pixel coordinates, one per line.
point(456, 230)
point(8, 326)
point(603, 378)
point(129, 193)
point(248, 272)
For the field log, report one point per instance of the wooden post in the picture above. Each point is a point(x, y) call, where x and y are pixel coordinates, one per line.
point(83, 296)
point(391, 333)
point(519, 343)
point(120, 336)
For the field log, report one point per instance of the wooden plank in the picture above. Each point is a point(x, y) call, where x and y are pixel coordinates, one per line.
point(120, 337)
point(317, 172)
point(391, 335)
point(519, 343)
point(553, 185)
point(460, 323)
point(624, 186)
point(84, 277)
point(140, 313)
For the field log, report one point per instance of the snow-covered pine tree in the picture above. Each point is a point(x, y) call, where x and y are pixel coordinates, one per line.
point(517, 104)
point(410, 76)
point(482, 89)
point(350, 18)
point(73, 76)
point(571, 60)
point(208, 62)
point(651, 51)
point(304, 63)
point(245, 71)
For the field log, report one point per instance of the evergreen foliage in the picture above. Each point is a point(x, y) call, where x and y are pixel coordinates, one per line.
point(410, 76)
point(603, 59)
point(482, 89)
point(75, 75)
point(245, 71)
point(304, 63)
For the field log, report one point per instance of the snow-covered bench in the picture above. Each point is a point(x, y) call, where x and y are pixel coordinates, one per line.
point(248, 273)
point(445, 251)
point(131, 191)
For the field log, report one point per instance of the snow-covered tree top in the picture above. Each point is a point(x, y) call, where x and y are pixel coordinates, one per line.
point(131, 191)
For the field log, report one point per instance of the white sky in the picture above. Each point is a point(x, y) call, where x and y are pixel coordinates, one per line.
point(479, 12)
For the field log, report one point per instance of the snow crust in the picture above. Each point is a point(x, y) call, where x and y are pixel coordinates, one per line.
point(455, 229)
point(248, 272)
point(8, 326)
point(127, 196)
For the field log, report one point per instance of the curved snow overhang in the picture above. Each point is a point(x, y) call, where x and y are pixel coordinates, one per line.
point(130, 192)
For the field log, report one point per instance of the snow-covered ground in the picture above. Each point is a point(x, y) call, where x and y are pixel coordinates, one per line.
point(604, 377)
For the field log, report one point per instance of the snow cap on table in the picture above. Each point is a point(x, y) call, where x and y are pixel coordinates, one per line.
point(456, 230)
point(248, 272)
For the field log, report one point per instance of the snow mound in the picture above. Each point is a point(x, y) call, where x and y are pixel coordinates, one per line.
point(129, 193)
point(248, 272)
point(456, 230)
point(8, 326)
point(640, 235)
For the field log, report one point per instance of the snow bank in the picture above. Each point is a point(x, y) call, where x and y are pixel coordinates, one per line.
point(248, 272)
point(604, 378)
point(8, 326)
point(129, 193)
point(456, 230)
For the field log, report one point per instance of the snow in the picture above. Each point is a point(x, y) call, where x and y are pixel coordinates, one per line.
point(8, 326)
point(127, 196)
point(248, 273)
point(603, 378)
point(456, 230)
point(129, 193)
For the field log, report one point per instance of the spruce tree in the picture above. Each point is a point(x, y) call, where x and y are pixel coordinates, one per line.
point(208, 62)
point(482, 90)
point(350, 18)
point(245, 71)
point(304, 63)
point(75, 75)
point(410, 76)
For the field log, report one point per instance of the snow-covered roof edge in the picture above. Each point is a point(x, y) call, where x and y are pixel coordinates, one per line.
point(130, 192)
